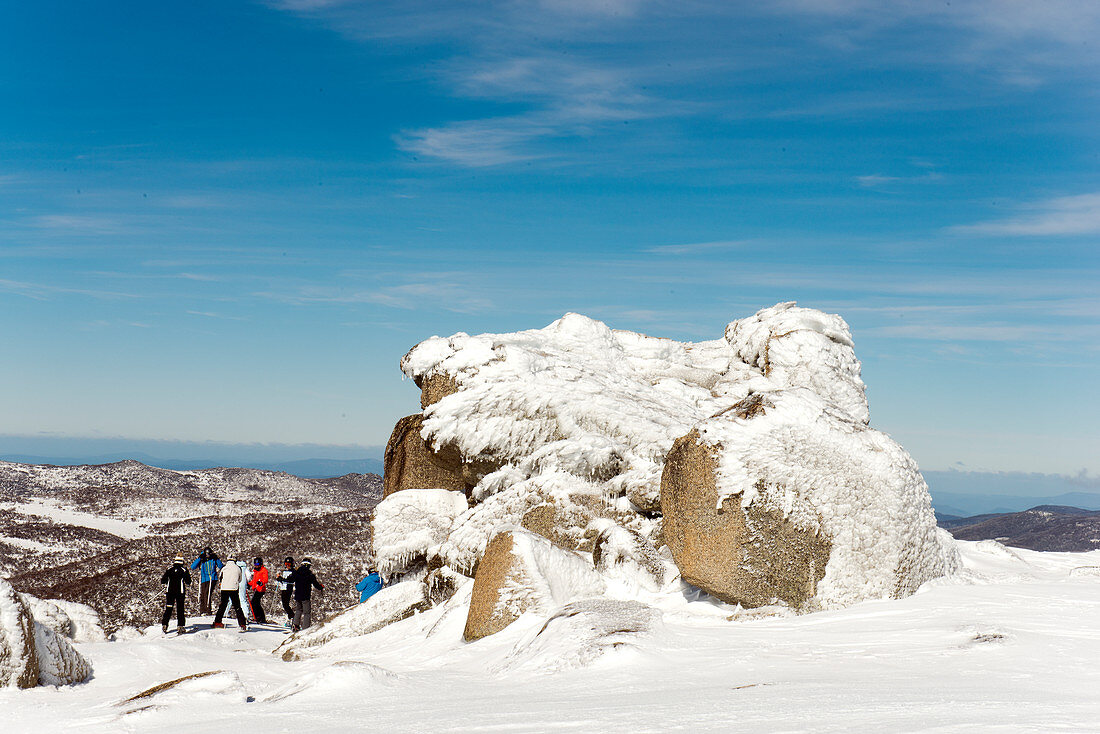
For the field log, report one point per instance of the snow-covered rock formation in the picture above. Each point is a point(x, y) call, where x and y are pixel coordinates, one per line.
point(35, 653)
point(521, 571)
point(600, 463)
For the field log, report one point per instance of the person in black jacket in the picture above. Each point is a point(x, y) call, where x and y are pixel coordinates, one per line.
point(304, 582)
point(176, 580)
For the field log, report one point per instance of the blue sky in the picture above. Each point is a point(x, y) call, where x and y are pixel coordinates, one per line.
point(227, 221)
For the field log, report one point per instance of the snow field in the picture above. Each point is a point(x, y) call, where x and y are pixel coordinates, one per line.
point(1009, 646)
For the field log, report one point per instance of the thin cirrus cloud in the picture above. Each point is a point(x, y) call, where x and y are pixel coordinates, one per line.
point(454, 297)
point(697, 247)
point(582, 67)
point(1066, 215)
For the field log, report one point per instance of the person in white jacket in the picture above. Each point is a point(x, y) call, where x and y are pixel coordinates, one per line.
point(231, 580)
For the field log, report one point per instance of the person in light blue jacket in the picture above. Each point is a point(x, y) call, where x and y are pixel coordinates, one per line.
point(369, 586)
point(210, 564)
point(242, 590)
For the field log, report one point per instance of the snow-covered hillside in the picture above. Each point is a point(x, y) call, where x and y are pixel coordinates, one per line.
point(1008, 645)
point(102, 535)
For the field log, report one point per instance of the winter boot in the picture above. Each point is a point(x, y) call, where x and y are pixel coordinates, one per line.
point(218, 626)
point(244, 628)
point(164, 628)
point(179, 630)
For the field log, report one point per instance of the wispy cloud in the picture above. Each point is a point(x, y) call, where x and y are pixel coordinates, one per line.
point(578, 67)
point(215, 315)
point(43, 291)
point(88, 224)
point(1066, 215)
point(875, 180)
point(566, 98)
point(697, 247)
point(448, 296)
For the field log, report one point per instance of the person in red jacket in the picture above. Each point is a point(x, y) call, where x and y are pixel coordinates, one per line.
point(258, 584)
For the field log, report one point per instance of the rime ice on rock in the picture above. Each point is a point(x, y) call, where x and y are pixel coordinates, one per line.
point(803, 347)
point(570, 426)
point(77, 622)
point(32, 653)
point(787, 498)
point(18, 662)
point(408, 526)
point(388, 605)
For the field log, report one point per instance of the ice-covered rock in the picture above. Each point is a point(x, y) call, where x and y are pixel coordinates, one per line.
point(38, 653)
point(59, 664)
point(629, 556)
point(77, 622)
point(580, 632)
point(408, 526)
point(521, 571)
point(197, 689)
point(18, 661)
point(803, 347)
point(787, 498)
point(562, 429)
point(389, 605)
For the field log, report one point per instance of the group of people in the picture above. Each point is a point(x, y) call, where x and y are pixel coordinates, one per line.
point(234, 580)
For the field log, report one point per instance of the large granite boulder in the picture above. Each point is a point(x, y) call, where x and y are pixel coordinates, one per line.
point(521, 571)
point(410, 463)
point(786, 499)
point(77, 622)
point(59, 664)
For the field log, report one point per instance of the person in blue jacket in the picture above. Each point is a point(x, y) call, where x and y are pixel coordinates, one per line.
point(369, 586)
point(210, 564)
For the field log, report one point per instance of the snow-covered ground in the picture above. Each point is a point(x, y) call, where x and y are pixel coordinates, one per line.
point(1011, 644)
point(51, 509)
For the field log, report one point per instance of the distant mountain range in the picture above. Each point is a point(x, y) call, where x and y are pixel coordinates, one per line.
point(1044, 528)
point(307, 468)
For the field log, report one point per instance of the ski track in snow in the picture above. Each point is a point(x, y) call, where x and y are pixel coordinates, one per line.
point(1009, 645)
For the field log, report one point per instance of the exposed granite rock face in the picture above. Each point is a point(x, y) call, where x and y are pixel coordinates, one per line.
point(435, 387)
point(410, 462)
point(562, 525)
point(521, 571)
point(714, 546)
point(489, 611)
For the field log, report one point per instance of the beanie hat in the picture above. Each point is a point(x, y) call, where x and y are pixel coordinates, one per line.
point(306, 561)
point(177, 559)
